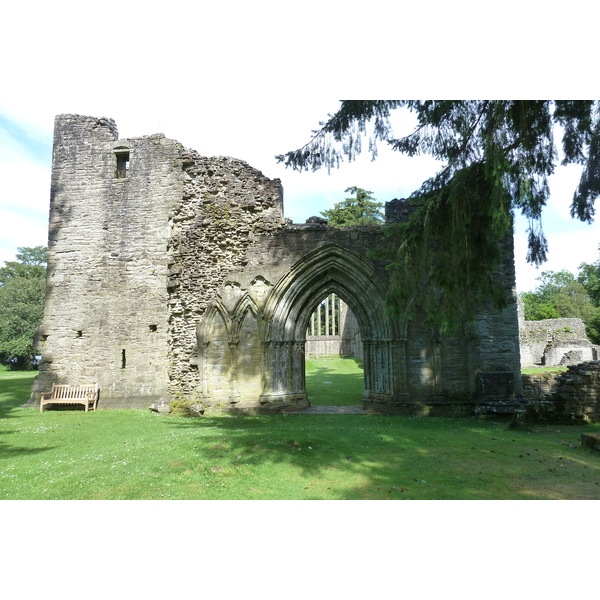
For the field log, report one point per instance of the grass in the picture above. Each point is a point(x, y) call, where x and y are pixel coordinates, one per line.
point(532, 370)
point(334, 381)
point(70, 454)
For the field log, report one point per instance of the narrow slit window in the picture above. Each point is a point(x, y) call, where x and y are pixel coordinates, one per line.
point(123, 359)
point(122, 164)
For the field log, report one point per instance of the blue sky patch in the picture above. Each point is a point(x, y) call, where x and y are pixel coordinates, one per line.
point(13, 134)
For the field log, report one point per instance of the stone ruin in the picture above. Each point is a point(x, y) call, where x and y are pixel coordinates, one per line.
point(571, 397)
point(554, 342)
point(173, 276)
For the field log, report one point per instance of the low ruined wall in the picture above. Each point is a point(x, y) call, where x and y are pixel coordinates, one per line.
point(554, 342)
point(577, 393)
point(572, 396)
point(537, 385)
point(327, 346)
point(334, 346)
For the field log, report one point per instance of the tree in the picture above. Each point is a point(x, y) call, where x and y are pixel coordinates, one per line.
point(30, 263)
point(22, 292)
point(589, 277)
point(536, 309)
point(569, 296)
point(497, 157)
point(357, 210)
point(561, 294)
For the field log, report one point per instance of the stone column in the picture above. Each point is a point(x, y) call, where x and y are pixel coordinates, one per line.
point(297, 364)
point(369, 368)
point(437, 363)
point(234, 394)
point(399, 371)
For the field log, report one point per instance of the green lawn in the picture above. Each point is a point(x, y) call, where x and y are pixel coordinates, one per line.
point(532, 370)
point(334, 381)
point(64, 454)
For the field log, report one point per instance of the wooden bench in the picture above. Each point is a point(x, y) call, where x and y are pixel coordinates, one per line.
point(71, 394)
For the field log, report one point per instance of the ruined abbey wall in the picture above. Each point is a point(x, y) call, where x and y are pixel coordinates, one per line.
point(173, 275)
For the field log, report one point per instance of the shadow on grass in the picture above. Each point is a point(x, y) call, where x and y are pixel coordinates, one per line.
point(377, 457)
point(15, 389)
point(7, 451)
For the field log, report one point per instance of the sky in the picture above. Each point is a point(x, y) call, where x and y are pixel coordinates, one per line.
point(233, 83)
point(252, 80)
point(254, 129)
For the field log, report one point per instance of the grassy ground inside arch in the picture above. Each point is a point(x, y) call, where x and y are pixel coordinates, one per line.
point(70, 454)
point(334, 381)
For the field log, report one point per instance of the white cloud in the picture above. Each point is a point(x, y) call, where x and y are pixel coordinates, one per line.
point(18, 230)
point(24, 186)
point(225, 80)
point(567, 250)
point(24, 197)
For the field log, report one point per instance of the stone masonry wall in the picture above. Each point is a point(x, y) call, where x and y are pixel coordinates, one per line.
point(572, 396)
point(226, 207)
point(135, 259)
point(497, 347)
point(441, 371)
point(106, 314)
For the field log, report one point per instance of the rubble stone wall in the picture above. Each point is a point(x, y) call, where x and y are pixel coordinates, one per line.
point(226, 206)
point(572, 396)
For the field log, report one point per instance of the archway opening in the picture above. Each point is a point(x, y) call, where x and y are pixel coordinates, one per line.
point(334, 371)
point(287, 313)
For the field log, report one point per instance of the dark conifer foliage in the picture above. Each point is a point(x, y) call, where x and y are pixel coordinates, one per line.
point(497, 156)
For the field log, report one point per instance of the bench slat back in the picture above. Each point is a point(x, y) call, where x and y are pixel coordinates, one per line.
point(65, 392)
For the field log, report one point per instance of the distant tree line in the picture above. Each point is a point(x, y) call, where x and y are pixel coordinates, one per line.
point(22, 293)
point(566, 295)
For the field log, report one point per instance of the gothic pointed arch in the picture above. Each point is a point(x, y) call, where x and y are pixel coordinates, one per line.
point(246, 308)
point(213, 339)
point(216, 317)
point(332, 269)
point(247, 350)
point(230, 348)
